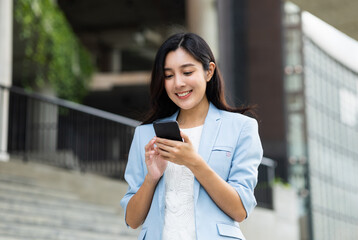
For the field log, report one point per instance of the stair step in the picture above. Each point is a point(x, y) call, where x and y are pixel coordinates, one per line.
point(75, 207)
point(5, 237)
point(49, 201)
point(57, 223)
point(37, 232)
point(7, 188)
point(58, 213)
point(29, 186)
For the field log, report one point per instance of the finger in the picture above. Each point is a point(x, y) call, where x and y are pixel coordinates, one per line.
point(149, 156)
point(167, 142)
point(150, 153)
point(156, 150)
point(185, 137)
point(164, 147)
point(150, 144)
point(164, 154)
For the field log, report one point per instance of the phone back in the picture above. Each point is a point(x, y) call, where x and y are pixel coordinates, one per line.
point(169, 130)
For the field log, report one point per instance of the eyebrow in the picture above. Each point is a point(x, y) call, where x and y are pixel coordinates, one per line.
point(182, 66)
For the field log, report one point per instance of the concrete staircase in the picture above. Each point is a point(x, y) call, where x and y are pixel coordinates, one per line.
point(47, 203)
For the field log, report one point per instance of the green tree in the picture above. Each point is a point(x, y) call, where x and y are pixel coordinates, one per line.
point(53, 53)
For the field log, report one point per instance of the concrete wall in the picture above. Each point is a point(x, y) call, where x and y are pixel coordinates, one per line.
point(282, 223)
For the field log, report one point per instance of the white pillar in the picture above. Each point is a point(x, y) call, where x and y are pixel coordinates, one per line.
point(202, 19)
point(116, 62)
point(6, 7)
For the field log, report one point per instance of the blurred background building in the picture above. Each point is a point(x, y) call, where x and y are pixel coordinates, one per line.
point(301, 72)
point(321, 77)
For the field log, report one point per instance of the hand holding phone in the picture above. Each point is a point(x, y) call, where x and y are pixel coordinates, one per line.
point(169, 130)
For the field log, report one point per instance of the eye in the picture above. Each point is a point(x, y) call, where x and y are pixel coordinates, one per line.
point(168, 76)
point(187, 73)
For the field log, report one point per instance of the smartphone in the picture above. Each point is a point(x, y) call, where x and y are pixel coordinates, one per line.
point(169, 130)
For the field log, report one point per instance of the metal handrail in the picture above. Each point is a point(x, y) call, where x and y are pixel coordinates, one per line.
point(74, 106)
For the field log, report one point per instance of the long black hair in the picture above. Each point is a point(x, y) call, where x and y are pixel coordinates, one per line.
point(161, 105)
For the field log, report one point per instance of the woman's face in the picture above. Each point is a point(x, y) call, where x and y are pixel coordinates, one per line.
point(185, 79)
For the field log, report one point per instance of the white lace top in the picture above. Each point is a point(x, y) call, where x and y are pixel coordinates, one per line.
point(179, 221)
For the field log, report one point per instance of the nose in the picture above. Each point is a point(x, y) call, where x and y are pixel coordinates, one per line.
point(179, 82)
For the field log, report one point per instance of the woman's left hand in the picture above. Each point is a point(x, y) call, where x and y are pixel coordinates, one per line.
point(181, 153)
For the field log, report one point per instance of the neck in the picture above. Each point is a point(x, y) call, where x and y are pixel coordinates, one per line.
point(193, 117)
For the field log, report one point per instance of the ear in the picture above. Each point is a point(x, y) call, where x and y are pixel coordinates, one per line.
point(210, 71)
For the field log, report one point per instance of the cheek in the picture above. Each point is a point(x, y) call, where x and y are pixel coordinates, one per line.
point(202, 84)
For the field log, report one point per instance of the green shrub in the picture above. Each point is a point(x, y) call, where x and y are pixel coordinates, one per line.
point(53, 54)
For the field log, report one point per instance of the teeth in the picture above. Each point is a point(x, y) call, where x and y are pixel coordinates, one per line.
point(183, 94)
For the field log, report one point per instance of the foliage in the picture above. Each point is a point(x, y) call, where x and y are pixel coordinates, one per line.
point(281, 182)
point(53, 53)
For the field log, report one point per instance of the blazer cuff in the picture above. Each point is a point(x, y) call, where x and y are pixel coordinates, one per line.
point(247, 198)
point(124, 203)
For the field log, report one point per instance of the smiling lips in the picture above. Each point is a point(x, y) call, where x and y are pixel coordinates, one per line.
point(183, 95)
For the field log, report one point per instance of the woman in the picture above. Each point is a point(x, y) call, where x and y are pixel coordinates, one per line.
point(202, 187)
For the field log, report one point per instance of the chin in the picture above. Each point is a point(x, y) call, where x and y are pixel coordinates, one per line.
point(186, 106)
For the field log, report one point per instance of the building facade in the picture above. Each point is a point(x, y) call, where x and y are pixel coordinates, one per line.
point(322, 103)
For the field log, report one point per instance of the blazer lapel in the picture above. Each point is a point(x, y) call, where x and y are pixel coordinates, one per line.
point(208, 137)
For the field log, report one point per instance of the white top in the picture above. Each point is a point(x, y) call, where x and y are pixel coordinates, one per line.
point(179, 221)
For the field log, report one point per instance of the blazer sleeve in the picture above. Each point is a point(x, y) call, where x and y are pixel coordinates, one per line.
point(246, 160)
point(135, 171)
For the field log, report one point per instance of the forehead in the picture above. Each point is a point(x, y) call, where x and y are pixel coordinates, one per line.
point(178, 58)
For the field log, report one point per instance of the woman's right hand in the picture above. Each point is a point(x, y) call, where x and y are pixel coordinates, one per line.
point(155, 164)
point(139, 205)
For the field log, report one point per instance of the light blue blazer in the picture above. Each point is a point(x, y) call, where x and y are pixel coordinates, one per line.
point(231, 146)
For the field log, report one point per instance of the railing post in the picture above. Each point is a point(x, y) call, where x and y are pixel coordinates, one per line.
point(5, 72)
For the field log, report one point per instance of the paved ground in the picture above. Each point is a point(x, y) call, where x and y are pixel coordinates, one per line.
point(43, 202)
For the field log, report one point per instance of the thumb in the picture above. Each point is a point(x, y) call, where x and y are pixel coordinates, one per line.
point(185, 137)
